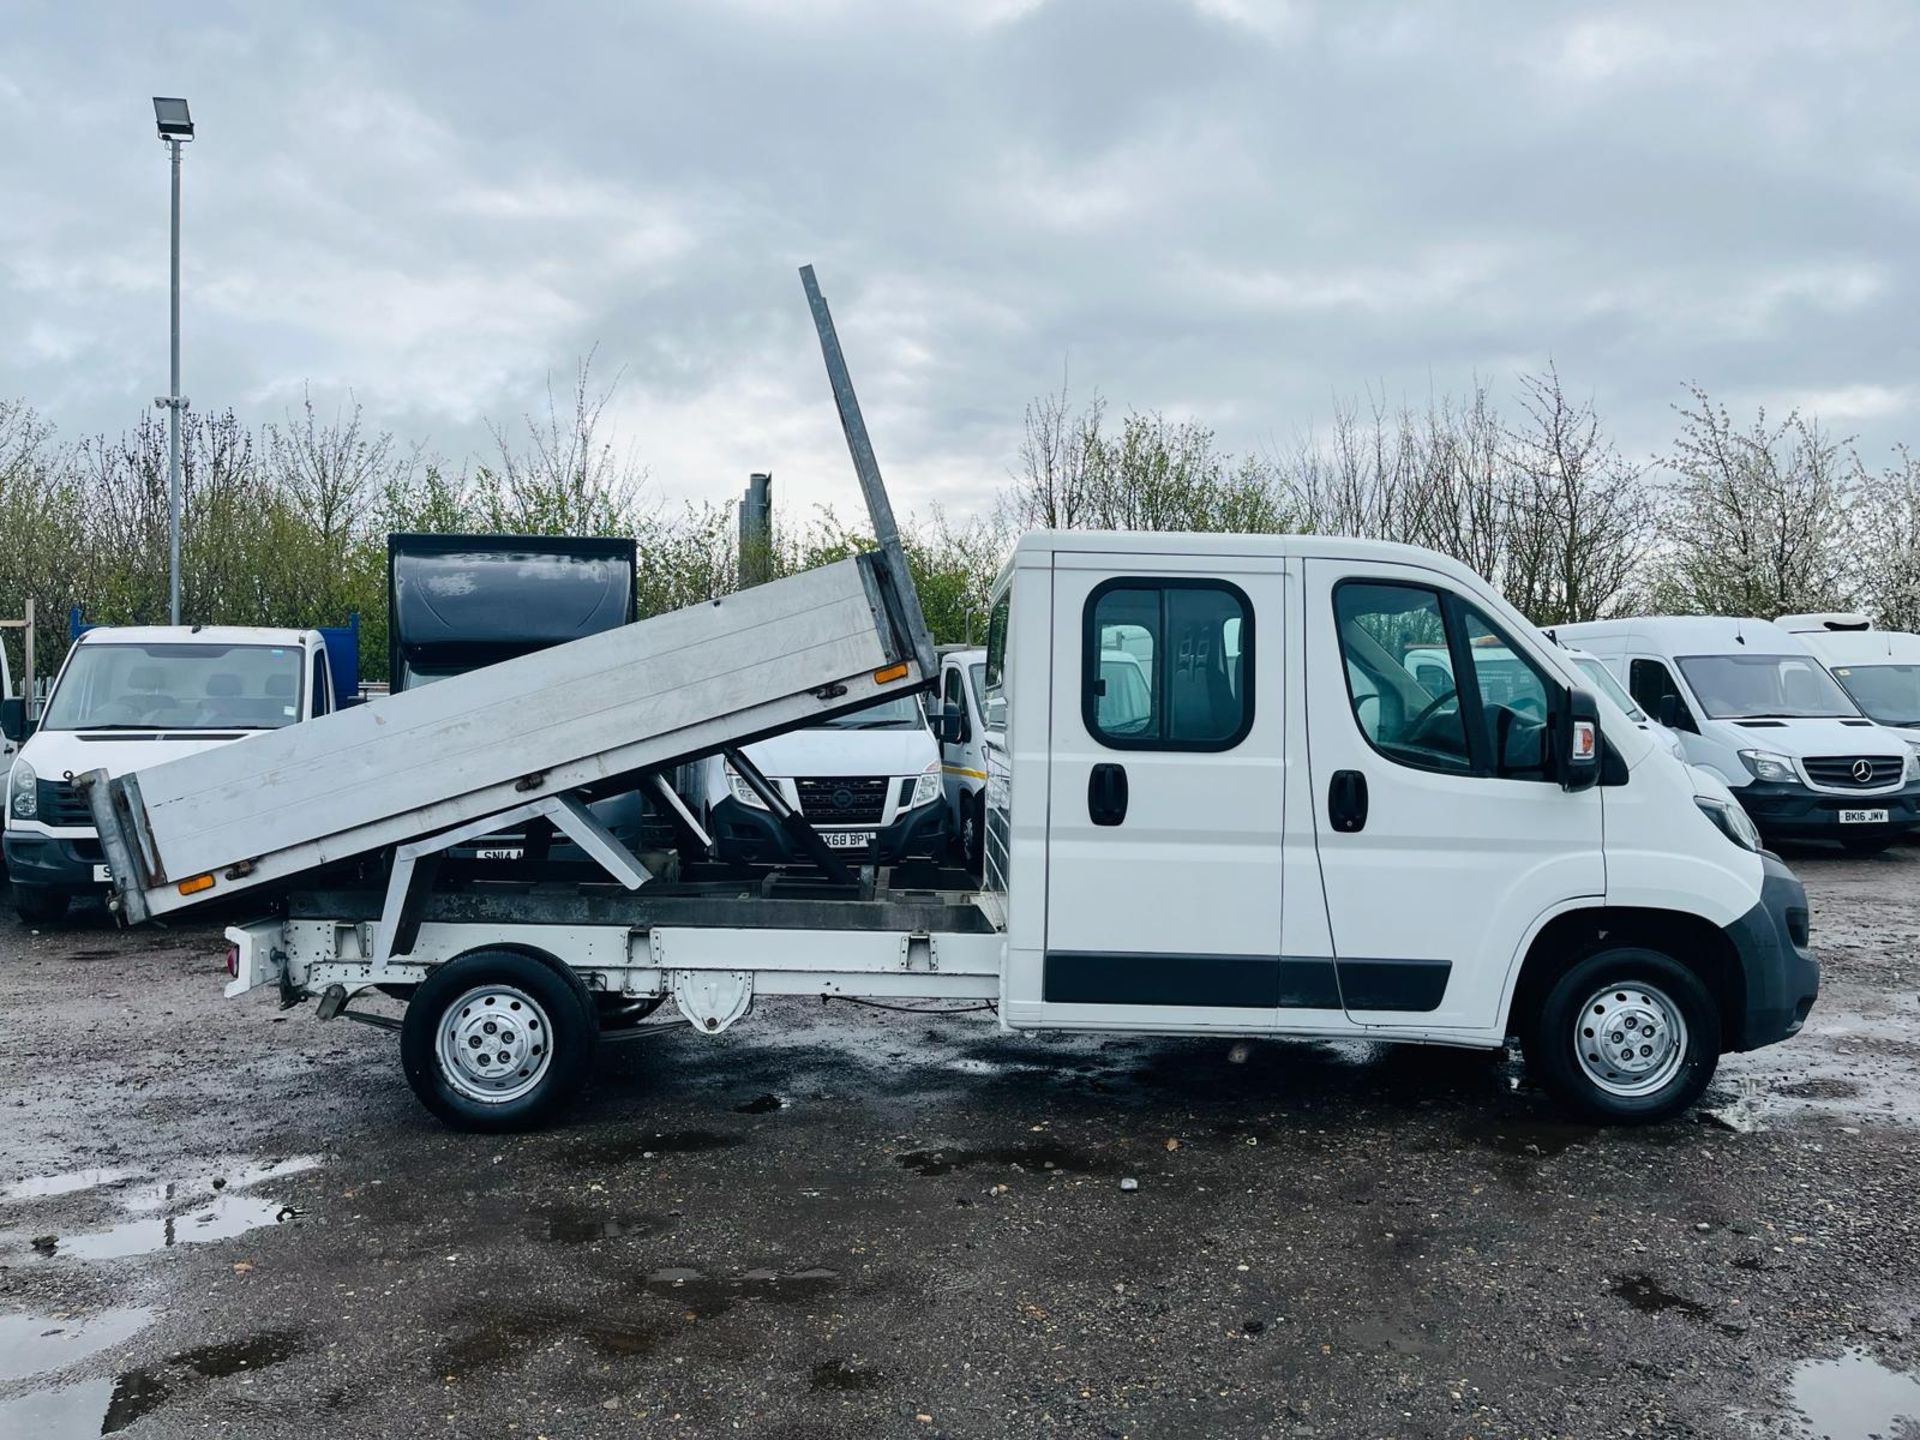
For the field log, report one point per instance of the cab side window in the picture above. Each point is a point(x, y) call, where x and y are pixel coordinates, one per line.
point(993, 688)
point(1167, 664)
point(953, 693)
point(1650, 683)
point(1400, 674)
point(319, 683)
point(1512, 698)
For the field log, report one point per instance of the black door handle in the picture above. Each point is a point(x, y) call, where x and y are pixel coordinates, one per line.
point(1107, 794)
point(1347, 801)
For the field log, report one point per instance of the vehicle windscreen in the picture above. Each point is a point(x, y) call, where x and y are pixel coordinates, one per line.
point(177, 687)
point(902, 712)
point(1604, 682)
point(1765, 687)
point(1888, 693)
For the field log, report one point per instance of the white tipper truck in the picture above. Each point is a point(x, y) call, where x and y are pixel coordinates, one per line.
point(1293, 836)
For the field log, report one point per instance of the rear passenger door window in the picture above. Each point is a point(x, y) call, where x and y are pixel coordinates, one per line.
point(1167, 664)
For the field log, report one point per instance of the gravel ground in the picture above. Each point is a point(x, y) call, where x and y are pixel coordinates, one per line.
point(218, 1218)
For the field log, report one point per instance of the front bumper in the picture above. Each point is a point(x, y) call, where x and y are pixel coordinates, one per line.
point(59, 862)
point(1793, 811)
point(749, 836)
point(1781, 976)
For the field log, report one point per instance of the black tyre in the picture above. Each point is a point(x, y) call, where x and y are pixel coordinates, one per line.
point(1865, 844)
point(39, 904)
point(1627, 1036)
point(498, 1040)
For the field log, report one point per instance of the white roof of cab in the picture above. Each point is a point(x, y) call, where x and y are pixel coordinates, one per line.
point(1689, 635)
point(191, 635)
point(1865, 647)
point(1039, 546)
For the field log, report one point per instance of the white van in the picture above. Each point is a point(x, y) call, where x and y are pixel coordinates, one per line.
point(130, 697)
point(868, 782)
point(1880, 669)
point(1754, 704)
point(963, 763)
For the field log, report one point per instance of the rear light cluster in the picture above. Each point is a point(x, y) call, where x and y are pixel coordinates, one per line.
point(233, 962)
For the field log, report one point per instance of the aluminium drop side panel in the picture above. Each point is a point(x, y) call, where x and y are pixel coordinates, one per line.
point(640, 696)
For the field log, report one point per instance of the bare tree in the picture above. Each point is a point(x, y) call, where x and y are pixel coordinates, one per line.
point(566, 477)
point(1581, 517)
point(1058, 448)
point(1758, 520)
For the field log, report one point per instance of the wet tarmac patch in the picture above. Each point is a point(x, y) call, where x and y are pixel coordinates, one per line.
point(1650, 1297)
point(511, 1337)
point(1855, 1397)
point(761, 1105)
point(166, 1213)
point(1532, 1138)
point(35, 1344)
point(627, 1149)
point(839, 1375)
point(579, 1227)
point(1044, 1157)
point(701, 1295)
point(1820, 1087)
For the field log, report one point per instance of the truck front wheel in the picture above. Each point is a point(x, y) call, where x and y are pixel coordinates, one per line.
point(497, 1040)
point(39, 904)
point(1626, 1036)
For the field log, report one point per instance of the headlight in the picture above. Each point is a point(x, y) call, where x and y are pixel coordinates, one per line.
point(1731, 821)
point(742, 791)
point(926, 789)
point(1913, 760)
point(1767, 766)
point(23, 792)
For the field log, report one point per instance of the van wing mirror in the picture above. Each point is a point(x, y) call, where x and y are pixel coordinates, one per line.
point(952, 729)
point(14, 723)
point(1576, 740)
point(1669, 710)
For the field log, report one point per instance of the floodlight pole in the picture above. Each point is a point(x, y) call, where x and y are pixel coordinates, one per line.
point(174, 402)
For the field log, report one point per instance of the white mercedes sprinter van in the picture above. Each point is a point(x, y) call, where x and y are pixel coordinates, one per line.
point(1754, 704)
point(1880, 669)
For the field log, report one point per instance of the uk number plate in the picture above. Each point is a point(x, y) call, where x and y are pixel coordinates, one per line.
point(500, 852)
point(847, 839)
point(102, 875)
point(1863, 817)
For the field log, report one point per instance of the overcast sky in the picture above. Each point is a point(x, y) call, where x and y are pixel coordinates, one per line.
point(1230, 209)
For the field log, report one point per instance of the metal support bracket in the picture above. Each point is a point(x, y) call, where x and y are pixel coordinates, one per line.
point(415, 863)
point(791, 820)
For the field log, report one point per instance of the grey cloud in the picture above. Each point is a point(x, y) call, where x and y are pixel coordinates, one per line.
point(1232, 209)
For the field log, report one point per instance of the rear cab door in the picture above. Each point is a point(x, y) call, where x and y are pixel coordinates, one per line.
point(1444, 840)
point(1166, 798)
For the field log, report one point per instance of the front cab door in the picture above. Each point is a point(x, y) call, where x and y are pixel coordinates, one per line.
point(1443, 837)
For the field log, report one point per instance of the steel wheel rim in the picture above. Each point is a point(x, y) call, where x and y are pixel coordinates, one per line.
point(495, 1044)
point(1631, 1039)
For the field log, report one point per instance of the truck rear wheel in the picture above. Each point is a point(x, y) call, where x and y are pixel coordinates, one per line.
point(498, 1040)
point(1627, 1036)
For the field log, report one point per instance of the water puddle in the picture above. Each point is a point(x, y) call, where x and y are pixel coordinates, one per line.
point(1650, 1297)
point(702, 1295)
point(1044, 1157)
point(72, 1182)
point(166, 1213)
point(839, 1375)
point(34, 1344)
point(106, 1407)
point(510, 1337)
point(1855, 1397)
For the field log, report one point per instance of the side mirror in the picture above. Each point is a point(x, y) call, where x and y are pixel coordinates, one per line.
point(1576, 740)
point(1669, 710)
point(952, 728)
point(14, 723)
